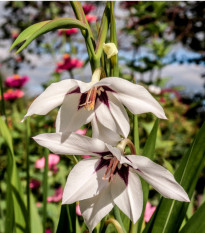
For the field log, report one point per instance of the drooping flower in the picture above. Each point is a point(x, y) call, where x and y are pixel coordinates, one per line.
point(53, 159)
point(149, 210)
point(57, 196)
point(67, 32)
point(99, 102)
point(88, 7)
point(109, 178)
point(68, 63)
point(16, 81)
point(91, 18)
point(11, 94)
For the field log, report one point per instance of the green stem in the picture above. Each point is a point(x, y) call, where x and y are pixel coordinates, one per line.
point(118, 217)
point(134, 227)
point(27, 171)
point(114, 69)
point(45, 190)
point(136, 134)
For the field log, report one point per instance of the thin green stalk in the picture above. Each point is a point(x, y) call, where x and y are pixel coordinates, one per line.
point(118, 217)
point(136, 134)
point(45, 189)
point(134, 227)
point(28, 133)
point(114, 68)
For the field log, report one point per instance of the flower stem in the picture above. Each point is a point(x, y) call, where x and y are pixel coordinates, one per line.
point(118, 218)
point(126, 142)
point(45, 189)
point(27, 171)
point(136, 134)
point(115, 223)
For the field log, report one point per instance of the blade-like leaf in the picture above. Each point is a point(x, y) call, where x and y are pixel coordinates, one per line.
point(14, 184)
point(41, 28)
point(148, 151)
point(170, 213)
point(196, 223)
point(103, 30)
point(27, 32)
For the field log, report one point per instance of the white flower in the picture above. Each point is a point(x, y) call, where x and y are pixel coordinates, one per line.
point(110, 49)
point(154, 89)
point(109, 178)
point(100, 103)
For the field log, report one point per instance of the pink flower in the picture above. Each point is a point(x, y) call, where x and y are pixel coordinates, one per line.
point(77, 209)
point(68, 63)
point(86, 156)
point(88, 7)
point(48, 230)
point(11, 94)
point(57, 196)
point(16, 81)
point(53, 159)
point(67, 32)
point(14, 34)
point(34, 183)
point(149, 210)
point(91, 18)
point(81, 131)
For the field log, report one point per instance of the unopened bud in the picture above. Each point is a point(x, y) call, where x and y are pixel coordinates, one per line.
point(110, 49)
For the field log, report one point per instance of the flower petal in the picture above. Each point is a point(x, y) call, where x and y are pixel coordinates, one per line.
point(129, 199)
point(159, 177)
point(52, 97)
point(83, 181)
point(94, 209)
point(119, 114)
point(105, 117)
point(75, 144)
point(70, 118)
point(101, 132)
point(117, 153)
point(135, 97)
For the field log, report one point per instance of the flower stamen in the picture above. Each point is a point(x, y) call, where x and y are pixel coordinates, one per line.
point(111, 168)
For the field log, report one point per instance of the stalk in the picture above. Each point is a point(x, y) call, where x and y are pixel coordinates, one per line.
point(27, 172)
point(118, 218)
point(45, 190)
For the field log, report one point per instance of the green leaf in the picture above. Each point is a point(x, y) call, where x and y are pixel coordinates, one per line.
point(196, 223)
point(27, 33)
point(67, 219)
point(103, 31)
point(170, 213)
point(148, 151)
point(38, 29)
point(36, 223)
point(14, 186)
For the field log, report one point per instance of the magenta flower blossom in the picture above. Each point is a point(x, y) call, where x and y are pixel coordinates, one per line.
point(78, 212)
point(53, 159)
point(11, 94)
point(57, 196)
point(91, 18)
point(48, 230)
point(68, 63)
point(149, 210)
point(81, 131)
point(88, 7)
point(34, 183)
point(16, 81)
point(67, 32)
